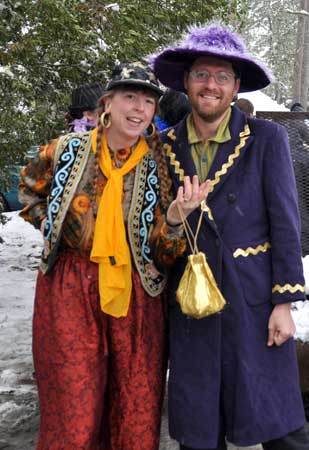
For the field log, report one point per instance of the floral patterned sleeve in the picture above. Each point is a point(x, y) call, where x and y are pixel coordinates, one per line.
point(34, 185)
point(168, 243)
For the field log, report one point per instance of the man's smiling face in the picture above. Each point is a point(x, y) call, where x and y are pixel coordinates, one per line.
point(211, 86)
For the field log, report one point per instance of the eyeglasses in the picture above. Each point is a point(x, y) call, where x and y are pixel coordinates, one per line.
point(222, 78)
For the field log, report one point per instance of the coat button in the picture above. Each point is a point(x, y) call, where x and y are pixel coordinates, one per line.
point(231, 198)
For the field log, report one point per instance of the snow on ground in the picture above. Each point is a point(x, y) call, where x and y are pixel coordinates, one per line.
point(301, 311)
point(301, 318)
point(19, 257)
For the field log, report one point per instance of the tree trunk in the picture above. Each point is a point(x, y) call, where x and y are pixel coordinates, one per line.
point(299, 55)
point(305, 66)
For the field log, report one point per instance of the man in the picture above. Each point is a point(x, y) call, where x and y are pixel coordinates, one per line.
point(233, 374)
point(246, 106)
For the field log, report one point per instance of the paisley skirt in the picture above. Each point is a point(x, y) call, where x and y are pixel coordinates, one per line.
point(100, 379)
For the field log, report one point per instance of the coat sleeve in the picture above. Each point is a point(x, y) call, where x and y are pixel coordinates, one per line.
point(168, 243)
point(35, 183)
point(288, 282)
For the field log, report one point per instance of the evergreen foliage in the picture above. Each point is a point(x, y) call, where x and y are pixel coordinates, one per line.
point(48, 47)
point(271, 32)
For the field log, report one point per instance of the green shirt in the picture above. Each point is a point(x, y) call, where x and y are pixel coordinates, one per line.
point(204, 151)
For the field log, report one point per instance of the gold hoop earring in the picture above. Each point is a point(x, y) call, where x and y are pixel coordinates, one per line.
point(151, 130)
point(105, 120)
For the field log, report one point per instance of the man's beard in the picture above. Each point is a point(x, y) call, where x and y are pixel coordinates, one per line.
point(210, 116)
point(212, 113)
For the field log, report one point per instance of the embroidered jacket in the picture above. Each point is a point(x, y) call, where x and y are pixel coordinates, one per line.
point(252, 213)
point(65, 173)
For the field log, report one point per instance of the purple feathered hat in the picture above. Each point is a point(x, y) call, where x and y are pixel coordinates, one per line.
point(212, 40)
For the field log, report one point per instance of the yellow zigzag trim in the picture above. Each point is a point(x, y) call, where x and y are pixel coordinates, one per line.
point(174, 161)
point(171, 134)
point(207, 210)
point(288, 287)
point(243, 137)
point(251, 251)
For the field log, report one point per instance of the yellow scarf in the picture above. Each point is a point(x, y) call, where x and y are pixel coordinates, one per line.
point(110, 248)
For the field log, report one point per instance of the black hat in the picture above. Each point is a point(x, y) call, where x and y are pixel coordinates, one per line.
point(85, 97)
point(134, 74)
point(297, 107)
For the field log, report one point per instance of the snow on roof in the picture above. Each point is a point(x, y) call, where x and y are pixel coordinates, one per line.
point(262, 102)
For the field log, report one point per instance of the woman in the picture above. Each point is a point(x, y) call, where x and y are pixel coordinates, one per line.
point(99, 317)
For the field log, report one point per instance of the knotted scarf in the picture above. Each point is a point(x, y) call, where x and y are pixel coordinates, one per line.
point(110, 248)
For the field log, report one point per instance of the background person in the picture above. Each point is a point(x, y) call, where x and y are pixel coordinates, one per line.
point(173, 107)
point(245, 105)
point(233, 374)
point(297, 107)
point(99, 317)
point(81, 115)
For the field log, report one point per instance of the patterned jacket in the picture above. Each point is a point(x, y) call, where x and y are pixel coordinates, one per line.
point(49, 187)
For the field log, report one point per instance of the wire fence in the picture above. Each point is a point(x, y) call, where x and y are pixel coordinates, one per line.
point(297, 126)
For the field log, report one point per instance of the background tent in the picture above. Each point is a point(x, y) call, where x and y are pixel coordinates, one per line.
point(262, 102)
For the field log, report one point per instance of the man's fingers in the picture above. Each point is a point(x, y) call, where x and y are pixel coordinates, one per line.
point(271, 337)
point(187, 189)
point(180, 194)
point(280, 337)
point(277, 337)
point(204, 189)
point(192, 193)
point(195, 188)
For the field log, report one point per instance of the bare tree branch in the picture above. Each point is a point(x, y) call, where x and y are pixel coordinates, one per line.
point(301, 12)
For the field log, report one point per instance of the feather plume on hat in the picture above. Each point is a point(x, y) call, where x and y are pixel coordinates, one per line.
point(213, 40)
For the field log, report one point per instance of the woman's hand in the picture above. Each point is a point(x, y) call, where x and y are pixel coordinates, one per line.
point(189, 197)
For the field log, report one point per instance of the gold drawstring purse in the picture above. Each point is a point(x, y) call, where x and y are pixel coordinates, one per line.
point(198, 294)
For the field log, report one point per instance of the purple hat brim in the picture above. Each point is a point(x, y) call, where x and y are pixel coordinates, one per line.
point(170, 65)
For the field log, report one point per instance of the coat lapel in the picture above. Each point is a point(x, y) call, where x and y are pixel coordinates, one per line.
point(230, 153)
point(227, 158)
point(178, 151)
point(180, 160)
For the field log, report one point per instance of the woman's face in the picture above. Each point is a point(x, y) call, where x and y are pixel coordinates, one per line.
point(131, 112)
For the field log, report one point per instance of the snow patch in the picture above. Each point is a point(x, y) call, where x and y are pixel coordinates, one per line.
point(8, 377)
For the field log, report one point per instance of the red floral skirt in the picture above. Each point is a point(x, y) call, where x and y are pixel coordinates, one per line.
point(100, 379)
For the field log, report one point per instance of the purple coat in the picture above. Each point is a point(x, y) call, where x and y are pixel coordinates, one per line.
point(222, 374)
